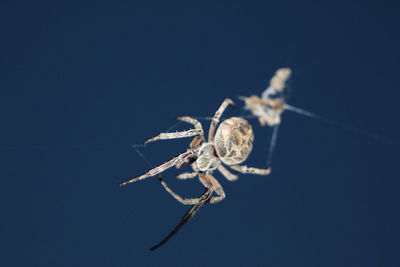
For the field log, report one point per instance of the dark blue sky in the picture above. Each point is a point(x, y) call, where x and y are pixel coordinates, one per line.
point(81, 82)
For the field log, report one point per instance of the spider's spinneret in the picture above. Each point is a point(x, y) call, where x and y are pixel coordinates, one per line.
point(234, 140)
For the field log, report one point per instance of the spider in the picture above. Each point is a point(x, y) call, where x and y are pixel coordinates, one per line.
point(270, 106)
point(229, 144)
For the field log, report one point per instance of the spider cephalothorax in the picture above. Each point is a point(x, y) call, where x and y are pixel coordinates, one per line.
point(231, 144)
point(207, 159)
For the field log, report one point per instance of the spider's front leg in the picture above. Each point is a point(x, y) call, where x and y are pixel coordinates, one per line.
point(159, 169)
point(195, 123)
point(182, 134)
point(198, 139)
point(198, 132)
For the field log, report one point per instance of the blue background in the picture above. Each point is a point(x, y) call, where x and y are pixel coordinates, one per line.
point(83, 81)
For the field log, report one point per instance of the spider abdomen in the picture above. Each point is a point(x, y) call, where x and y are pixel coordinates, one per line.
point(234, 140)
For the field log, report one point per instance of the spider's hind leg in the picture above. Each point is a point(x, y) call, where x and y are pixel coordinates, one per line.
point(227, 174)
point(208, 181)
point(203, 199)
point(187, 175)
point(250, 170)
point(185, 201)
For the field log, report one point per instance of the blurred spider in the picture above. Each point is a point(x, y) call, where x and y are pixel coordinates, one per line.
point(230, 144)
point(269, 108)
point(272, 103)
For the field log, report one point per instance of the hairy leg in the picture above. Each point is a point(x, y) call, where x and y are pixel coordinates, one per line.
point(198, 139)
point(207, 180)
point(187, 175)
point(216, 118)
point(250, 170)
point(185, 201)
point(227, 174)
point(183, 134)
point(179, 159)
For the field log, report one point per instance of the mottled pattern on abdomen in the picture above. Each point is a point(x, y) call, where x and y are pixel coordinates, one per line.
point(234, 140)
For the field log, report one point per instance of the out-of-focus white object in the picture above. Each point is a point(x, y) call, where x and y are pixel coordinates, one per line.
point(270, 106)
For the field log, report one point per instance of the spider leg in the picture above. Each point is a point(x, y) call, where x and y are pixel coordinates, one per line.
point(216, 118)
point(183, 134)
point(198, 139)
point(179, 165)
point(187, 175)
point(191, 120)
point(188, 161)
point(227, 174)
point(251, 170)
point(179, 159)
point(185, 201)
point(207, 179)
point(203, 199)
